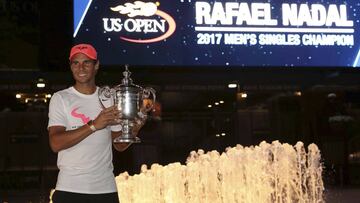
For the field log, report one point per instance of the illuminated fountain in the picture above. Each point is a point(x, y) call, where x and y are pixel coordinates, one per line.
point(266, 173)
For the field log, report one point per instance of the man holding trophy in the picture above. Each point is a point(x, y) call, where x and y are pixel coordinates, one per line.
point(85, 121)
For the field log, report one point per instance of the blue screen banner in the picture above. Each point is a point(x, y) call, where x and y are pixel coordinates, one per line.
point(238, 33)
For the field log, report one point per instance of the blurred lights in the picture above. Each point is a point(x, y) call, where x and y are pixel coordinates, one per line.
point(297, 93)
point(40, 83)
point(243, 95)
point(220, 134)
point(331, 95)
point(217, 103)
point(30, 97)
point(232, 85)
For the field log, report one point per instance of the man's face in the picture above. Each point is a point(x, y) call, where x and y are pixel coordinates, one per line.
point(83, 68)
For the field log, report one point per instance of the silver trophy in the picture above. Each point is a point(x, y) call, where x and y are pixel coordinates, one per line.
point(131, 101)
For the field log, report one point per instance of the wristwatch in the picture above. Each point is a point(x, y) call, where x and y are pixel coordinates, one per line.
point(91, 125)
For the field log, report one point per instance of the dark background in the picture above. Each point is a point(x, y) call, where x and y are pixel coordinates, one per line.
point(35, 37)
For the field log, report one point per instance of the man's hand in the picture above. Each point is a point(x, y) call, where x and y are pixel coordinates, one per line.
point(108, 116)
point(147, 105)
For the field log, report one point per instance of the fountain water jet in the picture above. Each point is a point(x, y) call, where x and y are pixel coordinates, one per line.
point(266, 173)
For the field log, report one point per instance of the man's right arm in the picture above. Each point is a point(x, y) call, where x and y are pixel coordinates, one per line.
point(60, 139)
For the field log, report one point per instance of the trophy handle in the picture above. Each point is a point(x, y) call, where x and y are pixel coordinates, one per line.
point(106, 96)
point(146, 94)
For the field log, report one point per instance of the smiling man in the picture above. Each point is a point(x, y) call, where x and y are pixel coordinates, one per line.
point(81, 132)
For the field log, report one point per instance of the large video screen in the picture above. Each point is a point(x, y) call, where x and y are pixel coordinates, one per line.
point(239, 33)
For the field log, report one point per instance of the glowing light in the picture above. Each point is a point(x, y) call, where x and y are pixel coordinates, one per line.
point(18, 96)
point(297, 93)
point(232, 85)
point(40, 85)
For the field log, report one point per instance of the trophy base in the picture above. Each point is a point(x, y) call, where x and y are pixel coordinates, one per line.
point(122, 139)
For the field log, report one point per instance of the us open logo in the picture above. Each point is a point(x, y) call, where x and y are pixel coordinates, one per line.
point(140, 18)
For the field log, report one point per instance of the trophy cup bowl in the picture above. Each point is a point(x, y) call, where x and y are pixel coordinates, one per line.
point(129, 100)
